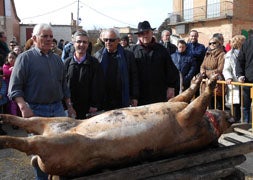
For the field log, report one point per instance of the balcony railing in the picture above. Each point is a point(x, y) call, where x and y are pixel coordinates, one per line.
point(203, 13)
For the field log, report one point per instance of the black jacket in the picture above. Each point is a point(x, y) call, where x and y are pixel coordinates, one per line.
point(244, 65)
point(113, 99)
point(86, 83)
point(156, 72)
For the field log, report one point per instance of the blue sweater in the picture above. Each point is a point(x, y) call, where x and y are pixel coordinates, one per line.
point(186, 64)
point(3, 92)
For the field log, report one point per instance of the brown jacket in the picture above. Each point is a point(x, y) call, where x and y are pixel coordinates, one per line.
point(213, 62)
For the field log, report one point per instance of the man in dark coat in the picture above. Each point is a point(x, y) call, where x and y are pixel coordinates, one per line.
point(244, 72)
point(165, 41)
point(85, 78)
point(158, 76)
point(121, 77)
point(4, 50)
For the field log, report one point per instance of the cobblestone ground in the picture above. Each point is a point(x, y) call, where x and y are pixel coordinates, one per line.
point(15, 165)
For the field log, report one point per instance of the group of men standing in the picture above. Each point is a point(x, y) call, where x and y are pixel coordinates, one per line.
point(114, 78)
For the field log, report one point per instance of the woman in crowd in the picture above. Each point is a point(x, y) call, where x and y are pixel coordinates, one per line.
point(229, 72)
point(213, 63)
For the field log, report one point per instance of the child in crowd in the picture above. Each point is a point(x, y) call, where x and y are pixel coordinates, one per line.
point(12, 107)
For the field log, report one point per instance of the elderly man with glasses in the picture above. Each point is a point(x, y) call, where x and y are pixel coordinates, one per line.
point(121, 78)
point(38, 83)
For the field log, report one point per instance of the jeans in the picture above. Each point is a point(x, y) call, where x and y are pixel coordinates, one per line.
point(246, 104)
point(46, 110)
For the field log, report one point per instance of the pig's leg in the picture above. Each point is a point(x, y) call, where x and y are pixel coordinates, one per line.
point(195, 110)
point(187, 95)
point(39, 125)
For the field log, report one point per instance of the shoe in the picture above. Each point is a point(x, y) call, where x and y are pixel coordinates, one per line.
point(15, 127)
point(2, 132)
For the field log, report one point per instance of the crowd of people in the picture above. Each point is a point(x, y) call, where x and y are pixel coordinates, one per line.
point(79, 80)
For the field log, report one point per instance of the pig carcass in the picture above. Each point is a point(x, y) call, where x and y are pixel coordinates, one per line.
point(70, 148)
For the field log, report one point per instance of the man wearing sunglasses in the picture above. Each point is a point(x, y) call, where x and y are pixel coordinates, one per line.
point(121, 78)
point(158, 76)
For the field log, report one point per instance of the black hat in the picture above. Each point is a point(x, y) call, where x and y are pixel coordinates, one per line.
point(144, 26)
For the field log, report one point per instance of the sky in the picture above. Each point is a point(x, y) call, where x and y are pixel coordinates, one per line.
point(94, 14)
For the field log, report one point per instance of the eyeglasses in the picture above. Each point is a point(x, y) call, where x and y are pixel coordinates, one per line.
point(79, 42)
point(212, 43)
point(110, 40)
point(12, 45)
point(46, 36)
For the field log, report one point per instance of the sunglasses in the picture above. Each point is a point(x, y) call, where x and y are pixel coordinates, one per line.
point(212, 43)
point(110, 40)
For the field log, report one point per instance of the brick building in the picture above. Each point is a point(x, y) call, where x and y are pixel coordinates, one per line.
point(229, 17)
point(9, 21)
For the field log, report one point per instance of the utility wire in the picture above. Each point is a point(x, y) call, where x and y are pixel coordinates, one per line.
point(50, 12)
point(112, 18)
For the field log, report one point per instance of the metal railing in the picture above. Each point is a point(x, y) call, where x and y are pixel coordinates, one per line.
point(241, 85)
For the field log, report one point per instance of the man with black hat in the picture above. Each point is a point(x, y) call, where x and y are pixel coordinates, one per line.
point(158, 76)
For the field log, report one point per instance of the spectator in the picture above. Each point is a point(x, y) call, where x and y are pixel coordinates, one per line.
point(28, 44)
point(131, 39)
point(158, 76)
point(68, 49)
point(213, 63)
point(55, 49)
point(38, 82)
point(121, 78)
point(124, 42)
point(244, 70)
point(196, 50)
point(12, 44)
point(165, 41)
point(185, 64)
point(3, 100)
point(229, 72)
point(221, 39)
point(12, 107)
point(99, 44)
point(84, 77)
point(61, 44)
point(17, 49)
point(4, 50)
point(228, 46)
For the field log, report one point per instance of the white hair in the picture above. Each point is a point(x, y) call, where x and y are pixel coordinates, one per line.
point(115, 31)
point(39, 27)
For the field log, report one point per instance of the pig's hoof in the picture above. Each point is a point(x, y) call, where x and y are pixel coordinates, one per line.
point(196, 79)
point(212, 81)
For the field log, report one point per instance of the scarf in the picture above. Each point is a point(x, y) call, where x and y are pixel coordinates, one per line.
point(122, 66)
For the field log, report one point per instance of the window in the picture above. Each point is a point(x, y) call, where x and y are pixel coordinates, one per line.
point(188, 10)
point(213, 8)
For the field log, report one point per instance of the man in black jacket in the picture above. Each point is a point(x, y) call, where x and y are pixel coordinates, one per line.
point(84, 78)
point(158, 76)
point(121, 77)
point(165, 41)
point(244, 72)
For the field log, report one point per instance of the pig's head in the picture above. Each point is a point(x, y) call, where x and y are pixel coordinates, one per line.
point(219, 120)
